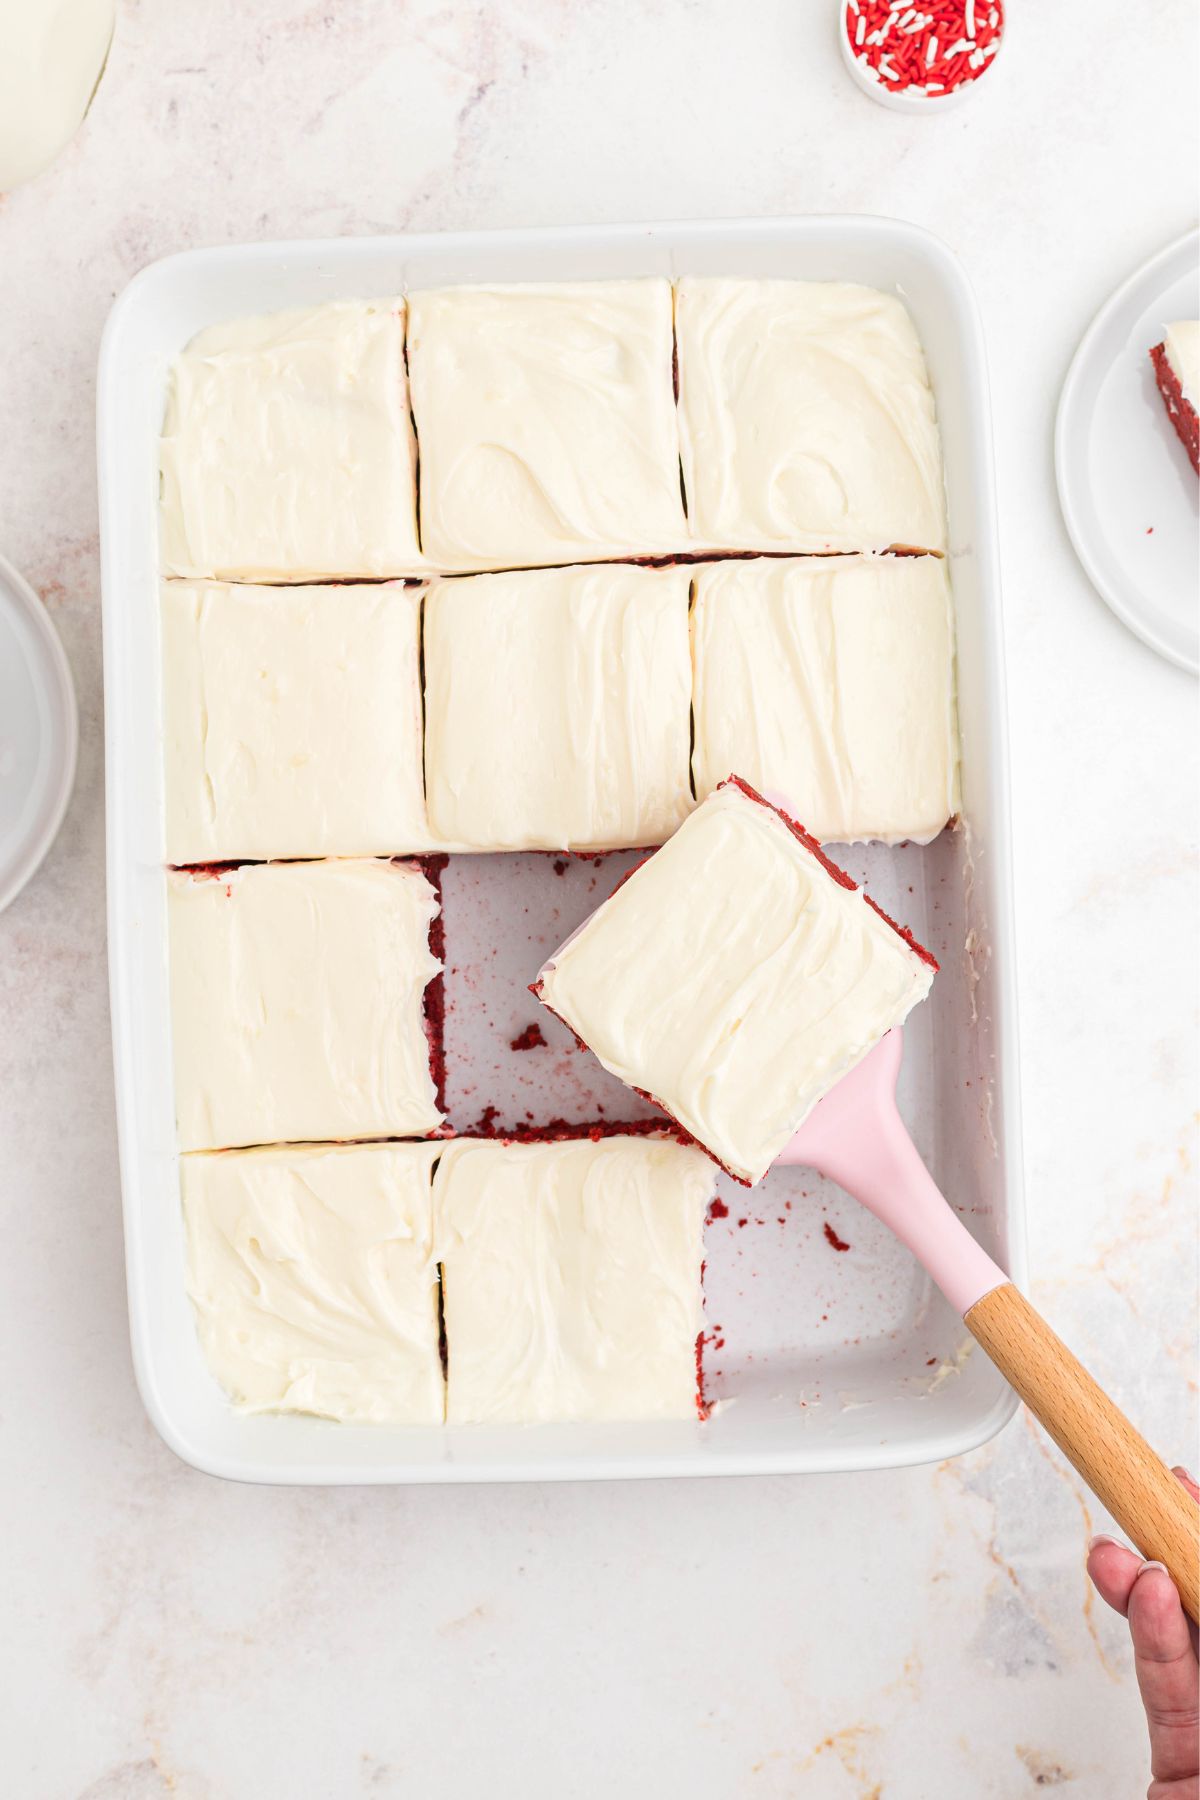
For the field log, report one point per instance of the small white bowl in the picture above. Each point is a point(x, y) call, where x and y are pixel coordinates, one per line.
point(910, 100)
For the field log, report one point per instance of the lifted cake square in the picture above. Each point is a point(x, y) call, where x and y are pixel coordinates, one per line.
point(547, 425)
point(557, 706)
point(806, 418)
point(830, 681)
point(734, 977)
point(571, 1278)
point(314, 1281)
point(292, 721)
point(288, 450)
point(298, 1003)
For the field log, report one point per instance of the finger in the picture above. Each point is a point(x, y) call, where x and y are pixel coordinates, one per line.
point(1188, 1481)
point(1113, 1570)
point(1166, 1672)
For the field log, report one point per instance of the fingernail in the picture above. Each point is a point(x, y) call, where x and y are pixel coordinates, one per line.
point(1101, 1537)
point(1186, 1473)
point(1146, 1566)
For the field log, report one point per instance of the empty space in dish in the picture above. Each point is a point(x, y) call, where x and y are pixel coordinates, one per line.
point(828, 1358)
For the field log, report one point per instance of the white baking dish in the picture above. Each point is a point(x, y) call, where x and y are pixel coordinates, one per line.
point(832, 1360)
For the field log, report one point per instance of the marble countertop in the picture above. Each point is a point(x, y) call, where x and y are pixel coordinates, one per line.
point(921, 1635)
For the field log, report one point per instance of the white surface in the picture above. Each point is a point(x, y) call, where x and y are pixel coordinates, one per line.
point(1129, 494)
point(868, 1399)
point(925, 1631)
point(39, 732)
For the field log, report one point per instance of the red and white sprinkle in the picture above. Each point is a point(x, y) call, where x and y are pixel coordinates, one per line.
point(932, 47)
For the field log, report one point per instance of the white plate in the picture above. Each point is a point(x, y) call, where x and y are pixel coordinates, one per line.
point(833, 1361)
point(1129, 495)
point(39, 732)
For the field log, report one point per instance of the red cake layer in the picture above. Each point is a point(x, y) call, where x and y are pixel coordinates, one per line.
point(1180, 410)
point(561, 1131)
point(435, 993)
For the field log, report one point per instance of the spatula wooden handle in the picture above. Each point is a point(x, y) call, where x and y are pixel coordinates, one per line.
point(1117, 1463)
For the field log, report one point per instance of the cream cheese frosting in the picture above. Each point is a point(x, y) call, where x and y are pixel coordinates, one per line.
point(830, 681)
point(288, 451)
point(313, 1279)
point(547, 423)
point(292, 721)
point(557, 707)
point(1182, 340)
point(806, 418)
point(297, 1002)
point(571, 1278)
point(735, 980)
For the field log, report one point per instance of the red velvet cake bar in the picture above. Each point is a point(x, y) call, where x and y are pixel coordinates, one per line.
point(1177, 371)
point(735, 977)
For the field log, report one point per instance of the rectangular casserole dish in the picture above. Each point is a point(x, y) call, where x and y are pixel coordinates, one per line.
point(826, 1359)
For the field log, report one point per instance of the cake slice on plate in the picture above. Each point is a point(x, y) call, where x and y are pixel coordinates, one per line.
point(1177, 371)
point(734, 977)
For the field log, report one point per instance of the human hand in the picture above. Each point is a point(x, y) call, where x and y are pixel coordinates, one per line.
point(1164, 1656)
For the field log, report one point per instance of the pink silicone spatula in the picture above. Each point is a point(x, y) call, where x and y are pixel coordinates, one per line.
point(856, 1137)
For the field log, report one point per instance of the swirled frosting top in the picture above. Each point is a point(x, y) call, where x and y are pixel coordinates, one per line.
point(734, 979)
point(288, 451)
point(557, 707)
point(571, 1277)
point(292, 721)
point(297, 1002)
point(547, 423)
point(807, 419)
point(829, 681)
point(313, 1278)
